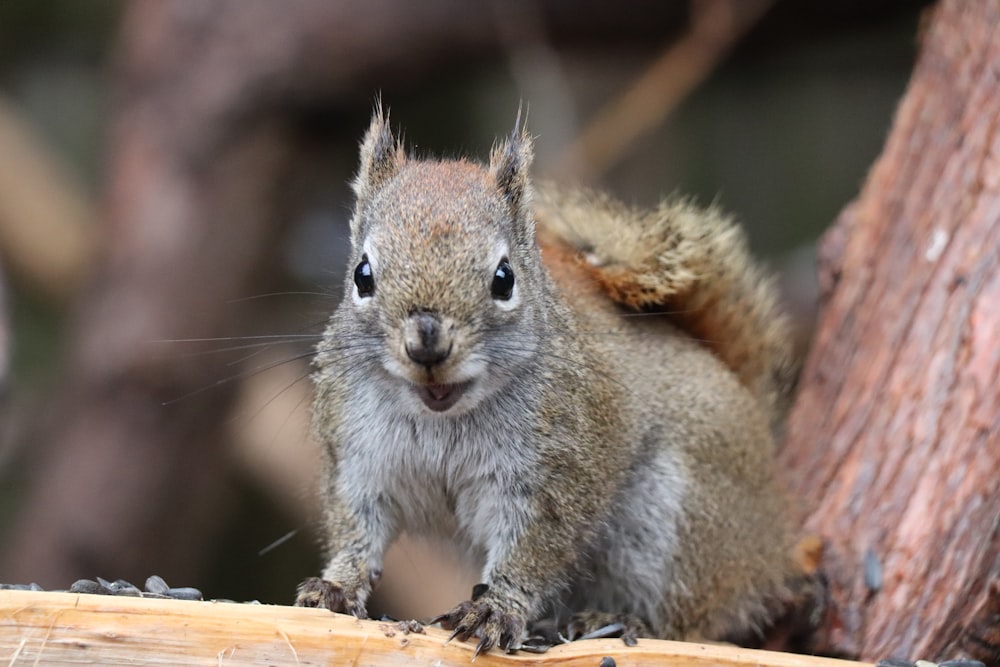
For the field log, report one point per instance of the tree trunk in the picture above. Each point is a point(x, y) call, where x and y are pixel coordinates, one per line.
point(894, 443)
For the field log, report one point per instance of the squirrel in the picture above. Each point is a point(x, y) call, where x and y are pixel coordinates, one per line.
point(580, 396)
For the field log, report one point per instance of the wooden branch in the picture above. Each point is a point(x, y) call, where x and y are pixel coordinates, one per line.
point(716, 27)
point(67, 628)
point(47, 221)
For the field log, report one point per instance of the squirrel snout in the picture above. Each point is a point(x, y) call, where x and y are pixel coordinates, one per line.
point(424, 342)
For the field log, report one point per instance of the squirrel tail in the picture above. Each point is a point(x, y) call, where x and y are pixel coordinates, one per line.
point(692, 263)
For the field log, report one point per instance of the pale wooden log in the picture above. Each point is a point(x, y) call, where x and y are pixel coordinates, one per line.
point(69, 629)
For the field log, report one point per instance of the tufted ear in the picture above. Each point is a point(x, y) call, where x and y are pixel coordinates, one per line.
point(510, 161)
point(381, 156)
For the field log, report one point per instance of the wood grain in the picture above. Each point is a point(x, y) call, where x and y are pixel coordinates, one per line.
point(69, 629)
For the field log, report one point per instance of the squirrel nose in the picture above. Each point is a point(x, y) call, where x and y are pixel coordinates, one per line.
point(424, 344)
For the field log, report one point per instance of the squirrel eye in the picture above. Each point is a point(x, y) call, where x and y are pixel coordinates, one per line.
point(363, 278)
point(503, 281)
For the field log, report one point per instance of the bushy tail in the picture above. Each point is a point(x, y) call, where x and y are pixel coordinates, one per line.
point(688, 261)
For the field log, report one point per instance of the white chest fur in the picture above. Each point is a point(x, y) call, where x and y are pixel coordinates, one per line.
point(455, 477)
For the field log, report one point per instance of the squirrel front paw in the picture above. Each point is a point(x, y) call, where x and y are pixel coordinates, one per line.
point(317, 592)
point(486, 618)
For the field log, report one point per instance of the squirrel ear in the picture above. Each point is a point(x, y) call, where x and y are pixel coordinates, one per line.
point(510, 161)
point(381, 155)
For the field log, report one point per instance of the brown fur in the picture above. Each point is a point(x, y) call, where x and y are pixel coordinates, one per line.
point(596, 466)
point(690, 262)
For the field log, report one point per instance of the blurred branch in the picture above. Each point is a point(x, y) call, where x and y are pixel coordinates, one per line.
point(716, 27)
point(273, 407)
point(4, 342)
point(537, 70)
point(47, 222)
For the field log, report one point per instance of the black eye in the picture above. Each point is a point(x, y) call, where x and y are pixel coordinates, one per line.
point(503, 281)
point(364, 279)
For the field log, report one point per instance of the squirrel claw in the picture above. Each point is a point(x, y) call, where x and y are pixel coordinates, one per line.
point(461, 632)
point(323, 594)
point(485, 644)
point(599, 625)
point(493, 626)
point(609, 630)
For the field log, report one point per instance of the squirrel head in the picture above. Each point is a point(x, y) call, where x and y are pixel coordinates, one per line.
point(446, 275)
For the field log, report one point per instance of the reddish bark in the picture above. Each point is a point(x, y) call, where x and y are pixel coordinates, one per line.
point(894, 442)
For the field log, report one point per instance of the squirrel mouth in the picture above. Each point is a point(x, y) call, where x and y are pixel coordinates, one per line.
point(440, 397)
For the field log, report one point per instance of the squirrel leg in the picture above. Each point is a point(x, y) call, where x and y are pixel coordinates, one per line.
point(356, 542)
point(519, 580)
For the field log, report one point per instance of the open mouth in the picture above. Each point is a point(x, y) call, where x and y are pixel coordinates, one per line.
point(440, 397)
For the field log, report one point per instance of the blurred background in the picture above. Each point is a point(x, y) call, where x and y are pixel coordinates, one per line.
point(173, 210)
